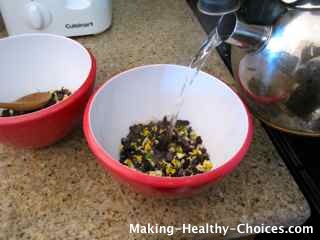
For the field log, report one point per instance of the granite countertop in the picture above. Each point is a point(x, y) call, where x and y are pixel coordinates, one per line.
point(61, 192)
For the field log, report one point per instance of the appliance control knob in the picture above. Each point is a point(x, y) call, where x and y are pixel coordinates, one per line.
point(39, 17)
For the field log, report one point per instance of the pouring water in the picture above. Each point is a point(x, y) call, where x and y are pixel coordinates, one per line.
point(198, 61)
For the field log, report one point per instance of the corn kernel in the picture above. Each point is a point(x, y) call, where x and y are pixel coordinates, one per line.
point(176, 163)
point(180, 155)
point(205, 166)
point(157, 173)
point(170, 170)
point(129, 163)
point(134, 146)
point(179, 149)
point(145, 132)
point(193, 135)
point(138, 158)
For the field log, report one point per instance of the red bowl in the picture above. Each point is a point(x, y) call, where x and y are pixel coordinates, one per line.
point(148, 93)
point(44, 62)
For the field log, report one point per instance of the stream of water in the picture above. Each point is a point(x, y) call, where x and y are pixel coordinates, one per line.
point(198, 61)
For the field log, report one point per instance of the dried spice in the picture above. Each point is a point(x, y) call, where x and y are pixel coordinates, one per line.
point(57, 96)
point(159, 149)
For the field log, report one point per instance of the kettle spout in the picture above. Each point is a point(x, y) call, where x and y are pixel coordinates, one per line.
point(231, 30)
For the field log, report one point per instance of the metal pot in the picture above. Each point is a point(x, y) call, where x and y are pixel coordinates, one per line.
point(278, 67)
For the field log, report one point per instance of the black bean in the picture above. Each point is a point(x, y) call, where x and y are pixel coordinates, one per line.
point(146, 166)
point(198, 140)
point(195, 161)
point(182, 123)
point(186, 164)
point(169, 157)
point(180, 173)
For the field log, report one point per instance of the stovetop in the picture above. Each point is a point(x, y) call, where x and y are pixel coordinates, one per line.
point(299, 153)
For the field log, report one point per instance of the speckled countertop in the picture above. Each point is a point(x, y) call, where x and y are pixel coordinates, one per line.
point(62, 193)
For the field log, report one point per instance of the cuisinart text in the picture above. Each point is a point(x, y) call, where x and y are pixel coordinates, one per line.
point(79, 25)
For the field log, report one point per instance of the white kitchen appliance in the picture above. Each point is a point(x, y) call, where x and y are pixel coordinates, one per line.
point(64, 17)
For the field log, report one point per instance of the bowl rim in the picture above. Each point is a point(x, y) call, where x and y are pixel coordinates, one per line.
point(44, 113)
point(132, 175)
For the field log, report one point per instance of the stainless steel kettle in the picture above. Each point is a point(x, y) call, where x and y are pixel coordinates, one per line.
point(278, 67)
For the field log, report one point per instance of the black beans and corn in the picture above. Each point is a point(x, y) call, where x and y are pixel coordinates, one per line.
point(161, 149)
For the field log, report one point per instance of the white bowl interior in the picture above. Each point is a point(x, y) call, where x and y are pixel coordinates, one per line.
point(150, 92)
point(41, 62)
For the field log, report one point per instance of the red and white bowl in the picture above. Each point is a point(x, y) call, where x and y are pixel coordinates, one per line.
point(38, 63)
point(149, 93)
